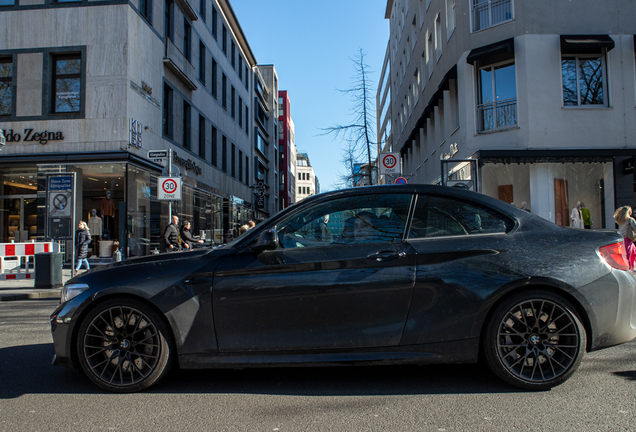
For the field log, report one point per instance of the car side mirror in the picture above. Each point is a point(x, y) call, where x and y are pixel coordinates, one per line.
point(267, 240)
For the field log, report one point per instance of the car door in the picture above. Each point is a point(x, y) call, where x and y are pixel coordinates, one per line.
point(345, 282)
point(461, 258)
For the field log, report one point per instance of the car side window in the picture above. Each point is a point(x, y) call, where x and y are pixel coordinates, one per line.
point(436, 216)
point(352, 220)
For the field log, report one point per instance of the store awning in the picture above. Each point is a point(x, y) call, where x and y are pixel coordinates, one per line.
point(585, 44)
point(498, 51)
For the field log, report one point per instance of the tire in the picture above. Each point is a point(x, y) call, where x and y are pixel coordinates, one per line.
point(534, 353)
point(124, 346)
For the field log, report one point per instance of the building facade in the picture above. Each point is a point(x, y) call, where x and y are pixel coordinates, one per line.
point(286, 152)
point(305, 177)
point(91, 88)
point(512, 99)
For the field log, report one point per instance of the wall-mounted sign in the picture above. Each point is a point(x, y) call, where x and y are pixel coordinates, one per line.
point(260, 194)
point(188, 164)
point(28, 134)
point(135, 133)
point(453, 151)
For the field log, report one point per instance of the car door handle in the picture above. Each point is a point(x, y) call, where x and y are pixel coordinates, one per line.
point(387, 255)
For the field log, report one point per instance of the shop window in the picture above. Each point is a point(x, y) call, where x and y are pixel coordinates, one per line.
point(6, 86)
point(584, 78)
point(145, 9)
point(497, 107)
point(167, 110)
point(214, 149)
point(67, 77)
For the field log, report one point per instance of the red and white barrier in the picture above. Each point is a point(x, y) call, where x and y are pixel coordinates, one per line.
point(19, 251)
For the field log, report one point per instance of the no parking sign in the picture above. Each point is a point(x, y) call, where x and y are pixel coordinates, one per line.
point(169, 188)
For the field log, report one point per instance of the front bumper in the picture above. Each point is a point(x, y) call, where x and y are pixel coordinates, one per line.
point(63, 327)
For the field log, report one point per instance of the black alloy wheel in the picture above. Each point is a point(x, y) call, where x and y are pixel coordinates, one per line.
point(124, 346)
point(534, 341)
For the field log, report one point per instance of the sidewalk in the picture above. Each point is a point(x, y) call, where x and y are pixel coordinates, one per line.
point(23, 289)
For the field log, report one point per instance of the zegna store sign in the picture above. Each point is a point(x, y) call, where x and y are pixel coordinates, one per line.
point(28, 135)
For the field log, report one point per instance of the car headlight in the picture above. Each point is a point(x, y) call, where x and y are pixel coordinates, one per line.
point(73, 290)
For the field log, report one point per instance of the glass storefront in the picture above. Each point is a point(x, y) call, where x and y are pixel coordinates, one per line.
point(553, 190)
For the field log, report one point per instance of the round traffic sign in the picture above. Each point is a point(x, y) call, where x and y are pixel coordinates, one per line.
point(389, 161)
point(169, 186)
point(400, 181)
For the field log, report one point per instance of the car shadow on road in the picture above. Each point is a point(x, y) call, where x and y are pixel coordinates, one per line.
point(27, 369)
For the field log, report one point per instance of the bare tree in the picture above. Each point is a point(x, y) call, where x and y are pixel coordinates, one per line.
point(359, 135)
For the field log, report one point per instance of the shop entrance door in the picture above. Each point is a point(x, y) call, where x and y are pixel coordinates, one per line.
point(18, 218)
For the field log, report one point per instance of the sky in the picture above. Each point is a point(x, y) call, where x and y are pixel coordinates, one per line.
point(311, 44)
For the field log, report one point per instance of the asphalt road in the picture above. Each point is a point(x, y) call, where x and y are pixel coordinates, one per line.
point(35, 396)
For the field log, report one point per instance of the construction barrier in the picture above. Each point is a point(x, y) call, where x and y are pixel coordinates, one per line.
point(19, 253)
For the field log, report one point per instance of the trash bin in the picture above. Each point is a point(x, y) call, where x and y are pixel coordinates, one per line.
point(48, 269)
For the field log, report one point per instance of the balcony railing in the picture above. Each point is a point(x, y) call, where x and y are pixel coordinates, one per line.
point(497, 115)
point(488, 13)
point(177, 62)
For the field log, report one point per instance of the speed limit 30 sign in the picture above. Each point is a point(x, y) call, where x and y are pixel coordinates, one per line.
point(389, 163)
point(169, 188)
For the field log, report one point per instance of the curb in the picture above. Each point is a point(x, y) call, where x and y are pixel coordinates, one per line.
point(31, 296)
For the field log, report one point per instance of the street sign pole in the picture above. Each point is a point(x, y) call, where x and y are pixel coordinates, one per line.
point(169, 175)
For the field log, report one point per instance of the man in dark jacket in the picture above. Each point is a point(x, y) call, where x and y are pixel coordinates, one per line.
point(186, 236)
point(172, 237)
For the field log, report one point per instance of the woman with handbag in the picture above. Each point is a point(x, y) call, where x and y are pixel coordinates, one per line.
point(627, 228)
point(82, 240)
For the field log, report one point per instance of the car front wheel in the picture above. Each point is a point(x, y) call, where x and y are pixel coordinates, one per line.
point(124, 346)
point(534, 340)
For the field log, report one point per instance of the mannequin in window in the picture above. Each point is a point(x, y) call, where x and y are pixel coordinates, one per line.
point(95, 224)
point(108, 209)
point(576, 218)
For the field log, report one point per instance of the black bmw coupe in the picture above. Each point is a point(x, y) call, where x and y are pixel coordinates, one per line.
point(374, 275)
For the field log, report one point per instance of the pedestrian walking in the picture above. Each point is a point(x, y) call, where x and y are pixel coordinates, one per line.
point(186, 236)
point(627, 228)
point(82, 240)
point(172, 237)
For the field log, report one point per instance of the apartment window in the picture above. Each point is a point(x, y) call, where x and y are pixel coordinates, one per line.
point(215, 84)
point(428, 3)
point(584, 80)
point(214, 23)
point(224, 154)
point(214, 148)
point(187, 128)
point(247, 78)
point(247, 170)
point(67, 77)
point(224, 40)
point(145, 9)
point(429, 53)
point(168, 27)
point(497, 107)
point(240, 166)
point(438, 37)
point(202, 62)
point(167, 110)
point(233, 54)
point(240, 112)
point(187, 40)
point(233, 101)
point(7, 2)
point(240, 68)
point(203, 9)
point(224, 92)
point(6, 86)
point(488, 13)
point(202, 137)
point(247, 120)
point(450, 18)
point(416, 86)
point(233, 169)
point(300, 190)
point(261, 144)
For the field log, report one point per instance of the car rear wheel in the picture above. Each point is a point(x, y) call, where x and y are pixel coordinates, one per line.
point(124, 346)
point(534, 340)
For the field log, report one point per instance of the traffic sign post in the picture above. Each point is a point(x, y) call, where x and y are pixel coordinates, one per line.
point(60, 208)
